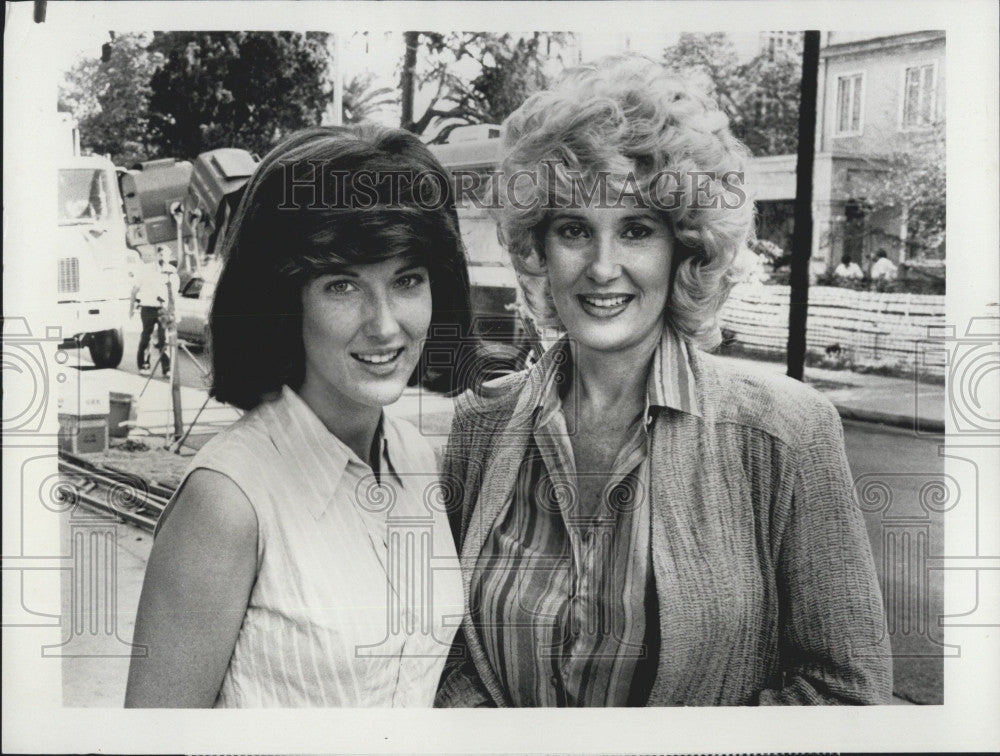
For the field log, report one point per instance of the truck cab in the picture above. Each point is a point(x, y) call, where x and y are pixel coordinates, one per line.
point(94, 267)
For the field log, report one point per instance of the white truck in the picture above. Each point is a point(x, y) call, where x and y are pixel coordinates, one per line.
point(95, 268)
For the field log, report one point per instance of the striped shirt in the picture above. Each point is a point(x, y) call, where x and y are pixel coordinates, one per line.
point(762, 567)
point(560, 593)
point(357, 584)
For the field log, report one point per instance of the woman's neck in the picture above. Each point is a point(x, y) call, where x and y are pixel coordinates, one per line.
point(606, 384)
point(354, 425)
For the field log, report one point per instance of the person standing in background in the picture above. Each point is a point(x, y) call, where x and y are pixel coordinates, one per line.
point(154, 295)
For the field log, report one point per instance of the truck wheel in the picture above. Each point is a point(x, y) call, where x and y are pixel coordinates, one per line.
point(106, 348)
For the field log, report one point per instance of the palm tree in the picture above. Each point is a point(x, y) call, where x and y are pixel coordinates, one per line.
point(361, 101)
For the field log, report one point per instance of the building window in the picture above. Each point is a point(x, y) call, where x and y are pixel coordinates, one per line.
point(919, 96)
point(849, 104)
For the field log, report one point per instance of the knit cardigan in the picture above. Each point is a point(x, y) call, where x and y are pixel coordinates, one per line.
point(764, 575)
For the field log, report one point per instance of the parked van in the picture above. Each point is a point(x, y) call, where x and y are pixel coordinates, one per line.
point(94, 267)
point(491, 275)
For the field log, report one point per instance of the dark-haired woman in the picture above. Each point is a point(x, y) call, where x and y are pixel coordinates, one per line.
point(292, 567)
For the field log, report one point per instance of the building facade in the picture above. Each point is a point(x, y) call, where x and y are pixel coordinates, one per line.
point(878, 97)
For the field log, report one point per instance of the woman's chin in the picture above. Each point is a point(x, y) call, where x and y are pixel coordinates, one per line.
point(380, 393)
point(608, 339)
point(379, 385)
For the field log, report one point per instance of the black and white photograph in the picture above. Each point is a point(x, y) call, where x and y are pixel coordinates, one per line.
point(637, 355)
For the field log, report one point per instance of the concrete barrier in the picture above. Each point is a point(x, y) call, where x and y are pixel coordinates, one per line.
point(864, 326)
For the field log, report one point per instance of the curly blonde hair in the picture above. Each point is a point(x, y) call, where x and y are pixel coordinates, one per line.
point(627, 119)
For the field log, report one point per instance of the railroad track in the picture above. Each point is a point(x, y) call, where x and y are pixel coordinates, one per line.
point(124, 495)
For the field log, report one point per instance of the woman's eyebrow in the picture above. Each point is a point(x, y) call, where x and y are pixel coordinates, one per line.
point(638, 216)
point(568, 216)
point(338, 270)
point(410, 264)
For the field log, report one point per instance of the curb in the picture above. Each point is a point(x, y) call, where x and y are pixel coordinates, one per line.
point(906, 422)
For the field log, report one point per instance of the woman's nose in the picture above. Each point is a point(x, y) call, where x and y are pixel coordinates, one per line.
point(381, 321)
point(604, 266)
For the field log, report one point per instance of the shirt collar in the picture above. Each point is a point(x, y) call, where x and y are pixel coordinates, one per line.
point(319, 459)
point(670, 384)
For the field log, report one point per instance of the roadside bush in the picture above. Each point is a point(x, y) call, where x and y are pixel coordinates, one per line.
point(905, 284)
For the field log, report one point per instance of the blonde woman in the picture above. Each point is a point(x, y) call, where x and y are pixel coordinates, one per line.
point(640, 523)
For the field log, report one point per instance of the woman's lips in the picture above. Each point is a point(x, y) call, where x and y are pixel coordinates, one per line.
point(381, 361)
point(604, 305)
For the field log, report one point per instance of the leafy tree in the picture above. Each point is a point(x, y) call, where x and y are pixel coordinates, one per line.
point(236, 89)
point(760, 96)
point(475, 77)
point(911, 182)
point(361, 101)
point(77, 93)
point(109, 99)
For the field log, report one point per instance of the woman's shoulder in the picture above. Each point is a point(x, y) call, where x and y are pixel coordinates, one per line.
point(241, 451)
point(250, 429)
point(495, 398)
point(768, 401)
point(212, 502)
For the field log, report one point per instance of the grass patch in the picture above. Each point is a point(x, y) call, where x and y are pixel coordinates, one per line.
point(151, 463)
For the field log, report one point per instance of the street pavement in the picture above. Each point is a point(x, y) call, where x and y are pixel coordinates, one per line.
point(876, 409)
point(896, 473)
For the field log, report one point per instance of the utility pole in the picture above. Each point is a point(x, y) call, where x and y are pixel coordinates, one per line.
point(406, 84)
point(175, 367)
point(338, 80)
point(803, 230)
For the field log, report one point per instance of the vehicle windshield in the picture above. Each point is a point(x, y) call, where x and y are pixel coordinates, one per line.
point(84, 196)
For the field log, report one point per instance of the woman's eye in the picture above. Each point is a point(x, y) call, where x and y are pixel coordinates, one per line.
point(339, 287)
point(637, 231)
point(410, 281)
point(573, 231)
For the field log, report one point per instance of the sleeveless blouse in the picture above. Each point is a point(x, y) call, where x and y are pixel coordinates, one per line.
point(358, 593)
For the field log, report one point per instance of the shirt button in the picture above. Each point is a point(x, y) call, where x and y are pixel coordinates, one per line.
point(554, 680)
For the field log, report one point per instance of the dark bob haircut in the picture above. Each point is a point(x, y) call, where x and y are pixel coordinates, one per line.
point(328, 197)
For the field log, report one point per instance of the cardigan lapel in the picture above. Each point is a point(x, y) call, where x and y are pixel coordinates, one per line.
point(507, 448)
point(672, 458)
point(676, 463)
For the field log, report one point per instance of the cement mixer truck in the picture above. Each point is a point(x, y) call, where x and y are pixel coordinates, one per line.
point(183, 205)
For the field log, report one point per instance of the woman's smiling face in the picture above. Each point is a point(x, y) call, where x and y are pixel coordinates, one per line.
point(363, 329)
point(609, 271)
